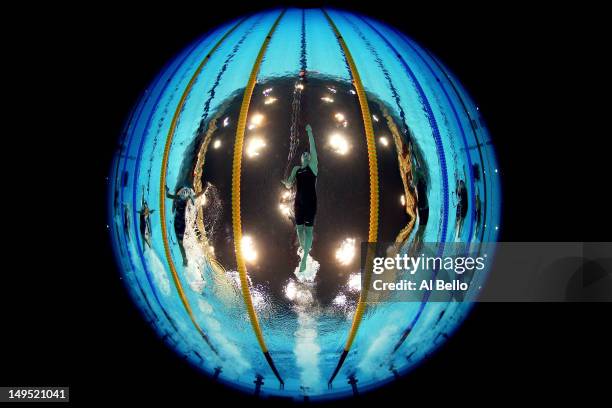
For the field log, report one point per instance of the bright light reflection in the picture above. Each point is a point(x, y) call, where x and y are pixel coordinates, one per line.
point(299, 86)
point(375, 118)
point(266, 92)
point(327, 99)
point(226, 121)
point(269, 100)
point(259, 300)
point(346, 252)
point(290, 290)
point(354, 282)
point(340, 300)
point(256, 120)
point(284, 209)
point(403, 200)
point(332, 90)
point(339, 117)
point(248, 249)
point(384, 141)
point(254, 145)
point(338, 144)
point(217, 144)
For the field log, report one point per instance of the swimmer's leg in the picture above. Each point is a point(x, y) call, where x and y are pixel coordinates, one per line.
point(307, 246)
point(183, 254)
point(301, 233)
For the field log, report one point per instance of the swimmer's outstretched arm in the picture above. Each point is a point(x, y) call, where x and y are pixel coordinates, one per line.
point(314, 160)
point(289, 182)
point(170, 196)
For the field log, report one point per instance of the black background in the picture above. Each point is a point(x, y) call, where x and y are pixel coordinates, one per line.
point(68, 319)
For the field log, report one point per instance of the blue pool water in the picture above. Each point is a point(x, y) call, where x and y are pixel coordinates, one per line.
point(304, 320)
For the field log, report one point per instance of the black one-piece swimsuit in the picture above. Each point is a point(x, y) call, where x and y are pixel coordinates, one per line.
point(305, 206)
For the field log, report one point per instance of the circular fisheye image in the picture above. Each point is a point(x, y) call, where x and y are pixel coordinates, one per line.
point(253, 168)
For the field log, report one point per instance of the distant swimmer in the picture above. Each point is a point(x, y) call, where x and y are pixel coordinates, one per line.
point(462, 205)
point(305, 205)
point(145, 222)
point(126, 221)
point(179, 205)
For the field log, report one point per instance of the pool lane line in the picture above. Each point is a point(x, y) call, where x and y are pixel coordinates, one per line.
point(411, 326)
point(127, 143)
point(435, 131)
point(162, 184)
point(395, 95)
point(465, 109)
point(457, 119)
point(135, 214)
point(206, 105)
point(212, 91)
point(373, 170)
point(236, 216)
point(442, 158)
point(208, 101)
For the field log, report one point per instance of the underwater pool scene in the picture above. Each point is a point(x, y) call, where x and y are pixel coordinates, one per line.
point(203, 229)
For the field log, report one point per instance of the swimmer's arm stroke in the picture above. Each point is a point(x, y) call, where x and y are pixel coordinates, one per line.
point(314, 160)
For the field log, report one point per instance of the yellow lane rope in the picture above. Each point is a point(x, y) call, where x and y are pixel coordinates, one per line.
point(404, 161)
point(236, 219)
point(373, 169)
point(162, 184)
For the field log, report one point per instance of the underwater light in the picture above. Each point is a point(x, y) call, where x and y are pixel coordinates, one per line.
point(256, 121)
point(248, 249)
point(338, 143)
point(284, 209)
point(255, 144)
point(346, 253)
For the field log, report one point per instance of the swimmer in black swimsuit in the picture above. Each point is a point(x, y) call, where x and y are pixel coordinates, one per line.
point(305, 206)
point(145, 223)
point(179, 206)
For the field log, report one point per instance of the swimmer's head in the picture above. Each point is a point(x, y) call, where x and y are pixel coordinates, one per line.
point(305, 159)
point(185, 193)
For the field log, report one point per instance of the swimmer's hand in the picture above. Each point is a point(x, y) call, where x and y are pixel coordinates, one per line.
point(171, 196)
point(286, 183)
point(308, 128)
